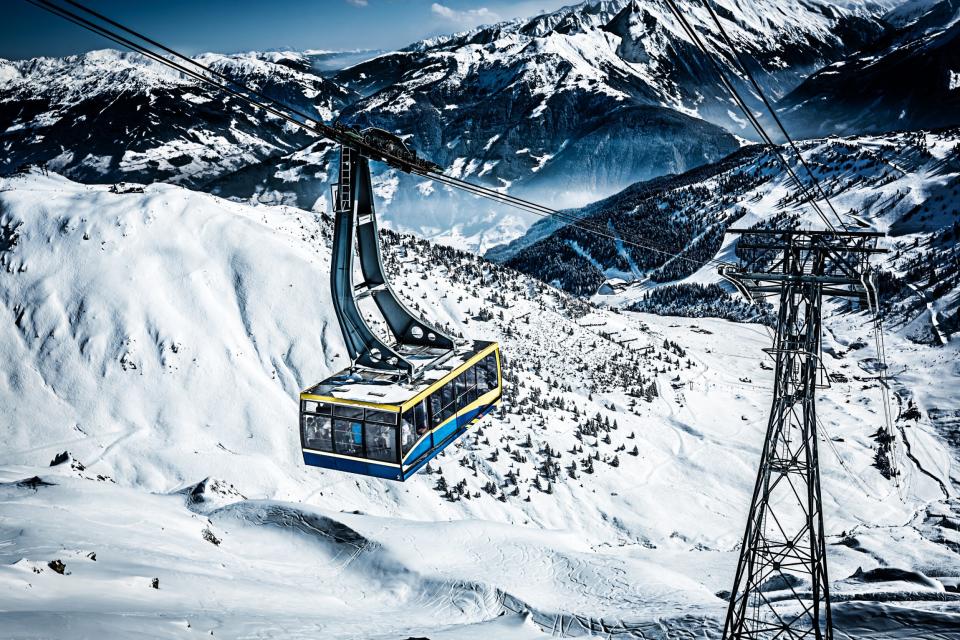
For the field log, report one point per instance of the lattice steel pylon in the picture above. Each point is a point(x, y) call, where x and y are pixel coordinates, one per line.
point(781, 588)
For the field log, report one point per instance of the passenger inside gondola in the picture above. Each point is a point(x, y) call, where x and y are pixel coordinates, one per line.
point(381, 442)
point(348, 433)
point(406, 435)
point(317, 433)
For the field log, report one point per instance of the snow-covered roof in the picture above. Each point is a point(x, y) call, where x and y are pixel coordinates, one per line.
point(362, 385)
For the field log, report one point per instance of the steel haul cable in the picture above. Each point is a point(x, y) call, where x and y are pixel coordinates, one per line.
point(692, 34)
point(773, 112)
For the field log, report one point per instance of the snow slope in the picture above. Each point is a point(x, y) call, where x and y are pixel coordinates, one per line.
point(162, 338)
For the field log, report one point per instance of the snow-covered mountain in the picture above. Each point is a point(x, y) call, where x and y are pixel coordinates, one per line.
point(565, 107)
point(162, 337)
point(907, 185)
point(107, 115)
point(908, 80)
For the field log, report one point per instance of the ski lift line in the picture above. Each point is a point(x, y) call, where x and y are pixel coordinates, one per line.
point(872, 284)
point(313, 126)
point(773, 112)
point(852, 473)
point(755, 123)
point(577, 223)
point(688, 29)
point(691, 33)
point(884, 388)
point(491, 194)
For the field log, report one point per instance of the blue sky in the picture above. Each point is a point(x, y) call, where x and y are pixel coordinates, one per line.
point(226, 26)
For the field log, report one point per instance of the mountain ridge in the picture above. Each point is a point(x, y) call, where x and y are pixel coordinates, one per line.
point(515, 106)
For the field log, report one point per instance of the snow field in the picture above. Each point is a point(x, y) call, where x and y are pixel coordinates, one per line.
point(152, 338)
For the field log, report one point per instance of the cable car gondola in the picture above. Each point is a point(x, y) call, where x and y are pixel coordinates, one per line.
point(404, 399)
point(364, 422)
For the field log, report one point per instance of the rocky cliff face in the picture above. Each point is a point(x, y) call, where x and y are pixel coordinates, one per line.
point(909, 80)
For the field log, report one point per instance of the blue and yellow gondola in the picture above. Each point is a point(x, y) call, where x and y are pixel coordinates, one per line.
point(365, 422)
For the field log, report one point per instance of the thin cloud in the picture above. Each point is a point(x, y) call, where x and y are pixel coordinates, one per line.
point(465, 18)
point(358, 3)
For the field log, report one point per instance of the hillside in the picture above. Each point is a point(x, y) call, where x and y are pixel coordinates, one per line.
point(905, 184)
point(908, 80)
point(162, 338)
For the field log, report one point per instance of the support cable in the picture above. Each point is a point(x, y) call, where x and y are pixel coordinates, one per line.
point(773, 112)
point(758, 127)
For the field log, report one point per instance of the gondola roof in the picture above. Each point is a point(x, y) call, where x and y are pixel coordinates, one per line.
point(368, 386)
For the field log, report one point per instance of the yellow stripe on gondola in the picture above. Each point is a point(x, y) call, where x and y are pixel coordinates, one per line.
point(480, 355)
point(340, 455)
point(486, 398)
point(400, 408)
